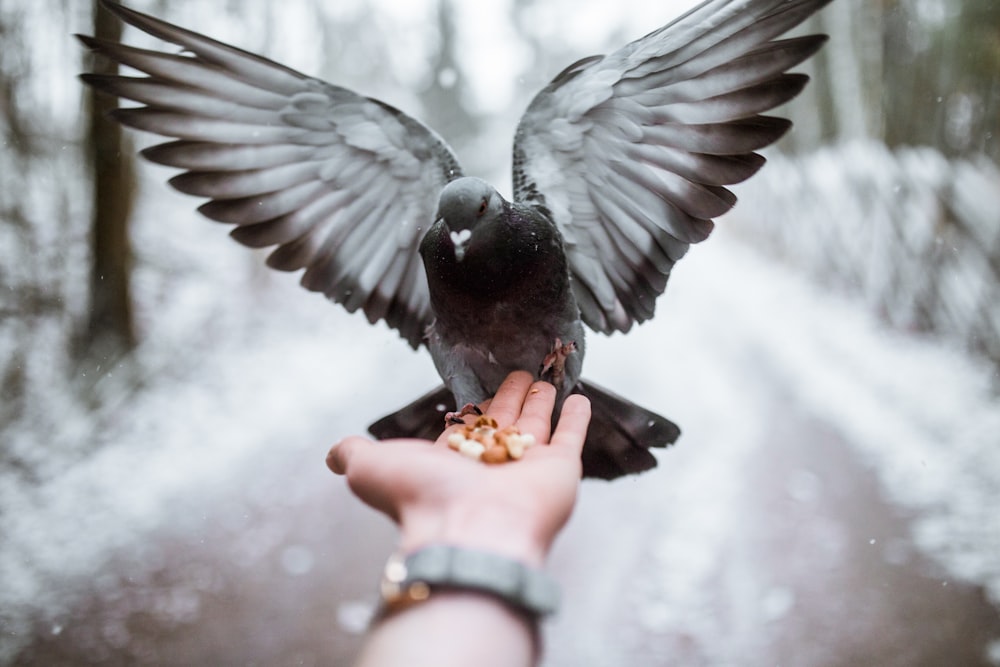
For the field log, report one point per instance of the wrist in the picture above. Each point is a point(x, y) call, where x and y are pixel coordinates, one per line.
point(501, 530)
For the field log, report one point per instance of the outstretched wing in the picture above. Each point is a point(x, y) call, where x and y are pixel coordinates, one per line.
point(629, 152)
point(343, 184)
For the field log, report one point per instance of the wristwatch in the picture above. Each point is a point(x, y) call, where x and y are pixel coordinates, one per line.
point(415, 577)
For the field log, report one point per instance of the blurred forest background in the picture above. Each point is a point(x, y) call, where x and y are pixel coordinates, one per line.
point(887, 193)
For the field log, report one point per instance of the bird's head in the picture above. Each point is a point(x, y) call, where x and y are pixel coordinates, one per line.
point(467, 204)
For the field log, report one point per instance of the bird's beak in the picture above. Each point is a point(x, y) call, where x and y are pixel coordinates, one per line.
point(460, 240)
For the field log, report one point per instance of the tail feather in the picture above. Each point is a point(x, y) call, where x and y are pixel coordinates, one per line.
point(423, 418)
point(618, 439)
point(621, 434)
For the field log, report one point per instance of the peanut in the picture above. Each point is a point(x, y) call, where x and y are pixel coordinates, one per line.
point(483, 441)
point(472, 449)
point(455, 440)
point(496, 454)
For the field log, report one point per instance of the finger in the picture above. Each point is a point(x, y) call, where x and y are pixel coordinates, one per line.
point(536, 412)
point(340, 454)
point(571, 431)
point(506, 405)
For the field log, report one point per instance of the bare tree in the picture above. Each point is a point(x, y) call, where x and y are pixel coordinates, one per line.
point(109, 330)
point(445, 98)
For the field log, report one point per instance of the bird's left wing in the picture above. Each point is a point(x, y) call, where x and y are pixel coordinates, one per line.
point(629, 153)
point(343, 184)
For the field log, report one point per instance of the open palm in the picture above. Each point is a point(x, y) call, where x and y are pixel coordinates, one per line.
point(439, 496)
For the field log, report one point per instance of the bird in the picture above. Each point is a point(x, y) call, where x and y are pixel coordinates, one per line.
point(620, 164)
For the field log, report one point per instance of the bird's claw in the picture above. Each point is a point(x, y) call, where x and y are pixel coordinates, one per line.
point(554, 364)
point(453, 418)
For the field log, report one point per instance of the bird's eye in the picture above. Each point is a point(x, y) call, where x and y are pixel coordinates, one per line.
point(482, 207)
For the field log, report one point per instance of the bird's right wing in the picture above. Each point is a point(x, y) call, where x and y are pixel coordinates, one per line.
point(629, 153)
point(344, 185)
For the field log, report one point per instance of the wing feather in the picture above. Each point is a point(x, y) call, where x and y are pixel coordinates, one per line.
point(290, 227)
point(221, 130)
point(233, 184)
point(208, 156)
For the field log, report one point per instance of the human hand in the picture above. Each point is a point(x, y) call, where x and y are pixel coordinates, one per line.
point(439, 497)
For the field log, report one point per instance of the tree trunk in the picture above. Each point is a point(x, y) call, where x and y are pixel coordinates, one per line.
point(110, 329)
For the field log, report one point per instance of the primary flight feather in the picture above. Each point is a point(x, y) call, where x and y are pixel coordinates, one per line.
point(620, 164)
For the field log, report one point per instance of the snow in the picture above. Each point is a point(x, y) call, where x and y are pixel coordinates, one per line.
point(909, 230)
point(925, 416)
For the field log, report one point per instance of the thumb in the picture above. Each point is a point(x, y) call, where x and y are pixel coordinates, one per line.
point(339, 456)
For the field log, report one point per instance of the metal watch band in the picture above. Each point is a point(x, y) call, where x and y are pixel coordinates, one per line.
point(412, 578)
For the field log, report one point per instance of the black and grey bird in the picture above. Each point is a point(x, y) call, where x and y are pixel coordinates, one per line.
point(620, 164)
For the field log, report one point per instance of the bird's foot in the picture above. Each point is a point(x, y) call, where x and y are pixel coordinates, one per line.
point(554, 364)
point(452, 418)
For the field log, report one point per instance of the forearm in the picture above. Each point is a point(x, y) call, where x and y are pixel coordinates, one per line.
point(452, 628)
point(455, 627)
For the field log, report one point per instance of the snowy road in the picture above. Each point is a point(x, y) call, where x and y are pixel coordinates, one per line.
point(831, 502)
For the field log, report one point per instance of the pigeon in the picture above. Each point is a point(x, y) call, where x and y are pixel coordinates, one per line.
point(620, 164)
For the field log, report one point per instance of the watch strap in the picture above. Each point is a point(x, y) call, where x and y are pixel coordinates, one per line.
point(412, 578)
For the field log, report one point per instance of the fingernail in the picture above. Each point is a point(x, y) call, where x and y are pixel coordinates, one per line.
point(332, 461)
